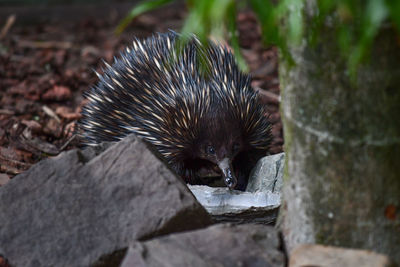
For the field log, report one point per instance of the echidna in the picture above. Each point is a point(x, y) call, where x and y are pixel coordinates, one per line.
point(193, 105)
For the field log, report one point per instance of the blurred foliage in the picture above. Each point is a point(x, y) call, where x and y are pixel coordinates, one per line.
point(358, 24)
point(140, 9)
point(10, 3)
point(283, 22)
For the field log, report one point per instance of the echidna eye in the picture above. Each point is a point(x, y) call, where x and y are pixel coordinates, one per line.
point(210, 150)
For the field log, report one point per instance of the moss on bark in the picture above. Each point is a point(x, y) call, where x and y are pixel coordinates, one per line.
point(343, 146)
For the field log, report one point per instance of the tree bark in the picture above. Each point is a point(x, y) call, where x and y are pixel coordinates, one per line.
point(342, 139)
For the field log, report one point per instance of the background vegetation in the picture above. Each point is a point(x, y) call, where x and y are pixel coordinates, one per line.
point(358, 21)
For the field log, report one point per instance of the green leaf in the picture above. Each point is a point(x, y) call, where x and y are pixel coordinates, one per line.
point(295, 19)
point(394, 9)
point(207, 17)
point(215, 18)
point(138, 10)
point(344, 39)
point(375, 13)
point(266, 13)
point(198, 21)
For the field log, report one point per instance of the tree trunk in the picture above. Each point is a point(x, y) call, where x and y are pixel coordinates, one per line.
point(342, 141)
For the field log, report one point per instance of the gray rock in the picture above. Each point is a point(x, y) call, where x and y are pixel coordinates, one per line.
point(267, 175)
point(219, 245)
point(219, 200)
point(4, 178)
point(236, 206)
point(317, 255)
point(258, 204)
point(266, 216)
point(74, 208)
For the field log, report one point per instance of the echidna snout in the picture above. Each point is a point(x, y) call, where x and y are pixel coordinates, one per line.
point(220, 149)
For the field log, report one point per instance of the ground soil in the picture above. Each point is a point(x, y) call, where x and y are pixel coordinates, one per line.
point(45, 67)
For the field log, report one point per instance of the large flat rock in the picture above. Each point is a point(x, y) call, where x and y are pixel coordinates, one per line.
point(74, 208)
point(219, 245)
point(235, 206)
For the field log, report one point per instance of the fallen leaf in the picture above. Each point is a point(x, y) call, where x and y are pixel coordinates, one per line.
point(57, 93)
point(390, 212)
